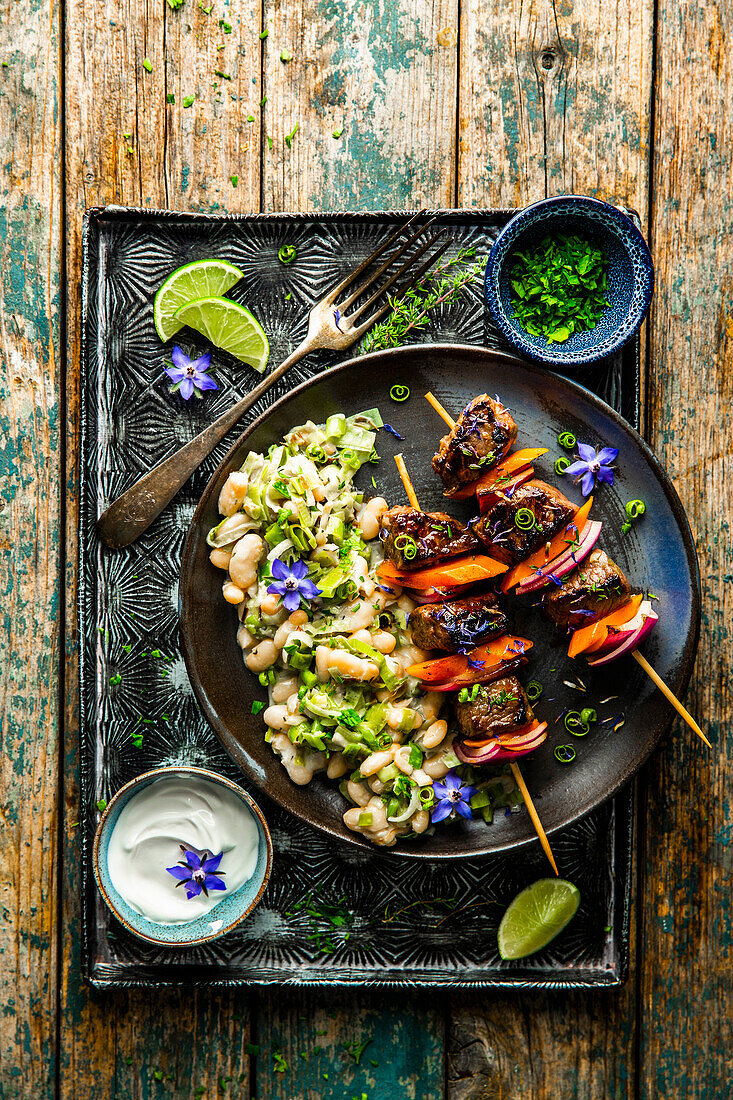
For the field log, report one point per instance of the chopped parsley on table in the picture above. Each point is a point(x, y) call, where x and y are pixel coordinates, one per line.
point(559, 286)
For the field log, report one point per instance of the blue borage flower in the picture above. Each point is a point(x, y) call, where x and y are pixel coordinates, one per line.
point(452, 795)
point(197, 873)
point(292, 584)
point(392, 431)
point(474, 664)
point(189, 375)
point(592, 466)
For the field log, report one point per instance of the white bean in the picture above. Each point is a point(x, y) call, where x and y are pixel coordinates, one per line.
point(402, 759)
point(429, 706)
point(383, 641)
point(406, 604)
point(262, 656)
point(358, 792)
point(421, 777)
point(275, 717)
point(220, 558)
point(233, 493)
point(369, 519)
point(270, 603)
point(244, 638)
point(420, 821)
point(375, 762)
point(338, 765)
point(283, 689)
point(434, 734)
point(344, 664)
point(232, 593)
point(282, 633)
point(436, 768)
point(244, 560)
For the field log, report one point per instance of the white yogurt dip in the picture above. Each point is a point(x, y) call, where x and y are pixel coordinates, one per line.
point(147, 836)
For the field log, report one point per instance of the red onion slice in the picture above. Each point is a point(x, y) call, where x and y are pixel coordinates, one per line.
point(632, 639)
point(507, 748)
point(567, 561)
point(488, 496)
point(504, 669)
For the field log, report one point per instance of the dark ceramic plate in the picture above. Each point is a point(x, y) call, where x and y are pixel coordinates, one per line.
point(657, 554)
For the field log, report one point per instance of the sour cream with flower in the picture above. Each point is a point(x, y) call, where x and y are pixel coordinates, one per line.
point(205, 818)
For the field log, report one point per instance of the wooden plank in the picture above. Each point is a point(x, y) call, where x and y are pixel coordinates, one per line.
point(385, 75)
point(552, 98)
point(136, 1044)
point(338, 1044)
point(686, 905)
point(31, 616)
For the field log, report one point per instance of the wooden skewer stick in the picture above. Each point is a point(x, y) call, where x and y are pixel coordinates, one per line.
point(669, 695)
point(518, 778)
point(409, 488)
point(433, 400)
point(654, 676)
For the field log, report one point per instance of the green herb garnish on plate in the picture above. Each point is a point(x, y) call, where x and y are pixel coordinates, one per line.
point(559, 286)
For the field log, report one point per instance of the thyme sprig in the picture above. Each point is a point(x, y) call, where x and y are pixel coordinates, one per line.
point(411, 312)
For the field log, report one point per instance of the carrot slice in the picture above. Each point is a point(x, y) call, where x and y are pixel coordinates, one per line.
point(456, 665)
point(509, 465)
point(478, 567)
point(587, 638)
point(545, 555)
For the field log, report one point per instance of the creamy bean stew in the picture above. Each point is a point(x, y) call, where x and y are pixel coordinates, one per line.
point(298, 544)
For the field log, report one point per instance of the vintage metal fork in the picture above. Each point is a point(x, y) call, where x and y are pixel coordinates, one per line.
point(329, 326)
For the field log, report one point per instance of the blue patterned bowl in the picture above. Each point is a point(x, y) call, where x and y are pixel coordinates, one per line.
point(630, 277)
point(227, 914)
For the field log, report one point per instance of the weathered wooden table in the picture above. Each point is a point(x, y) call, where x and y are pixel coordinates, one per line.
point(441, 104)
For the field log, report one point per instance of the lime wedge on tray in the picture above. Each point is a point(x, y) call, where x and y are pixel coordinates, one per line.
point(536, 916)
point(201, 279)
point(229, 326)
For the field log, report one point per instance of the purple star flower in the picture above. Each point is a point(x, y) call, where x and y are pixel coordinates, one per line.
point(292, 584)
point(592, 466)
point(197, 873)
point(452, 795)
point(189, 375)
point(474, 664)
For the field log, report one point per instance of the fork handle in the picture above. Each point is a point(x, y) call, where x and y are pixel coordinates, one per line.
point(133, 512)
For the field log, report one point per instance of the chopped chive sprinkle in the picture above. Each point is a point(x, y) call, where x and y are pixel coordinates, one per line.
point(264, 34)
point(224, 76)
point(189, 100)
point(289, 137)
point(257, 706)
point(285, 55)
point(235, 180)
point(116, 679)
point(101, 805)
point(170, 98)
point(147, 65)
point(250, 118)
point(337, 133)
point(226, 27)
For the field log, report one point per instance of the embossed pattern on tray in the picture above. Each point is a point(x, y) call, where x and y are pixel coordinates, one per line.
point(129, 628)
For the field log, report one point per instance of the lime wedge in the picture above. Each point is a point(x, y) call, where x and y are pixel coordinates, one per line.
point(536, 916)
point(229, 326)
point(202, 279)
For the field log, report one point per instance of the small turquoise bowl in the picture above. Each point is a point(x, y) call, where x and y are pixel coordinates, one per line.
point(227, 914)
point(630, 277)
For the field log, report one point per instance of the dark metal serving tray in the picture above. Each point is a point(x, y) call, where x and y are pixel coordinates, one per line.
point(128, 616)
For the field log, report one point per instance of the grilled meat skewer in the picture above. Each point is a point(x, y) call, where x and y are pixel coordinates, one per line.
point(499, 708)
point(480, 437)
point(502, 532)
point(414, 540)
point(457, 625)
point(593, 590)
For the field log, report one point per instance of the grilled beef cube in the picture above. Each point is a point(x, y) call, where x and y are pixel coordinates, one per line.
point(510, 542)
point(458, 624)
point(501, 707)
point(596, 588)
point(481, 436)
point(433, 536)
